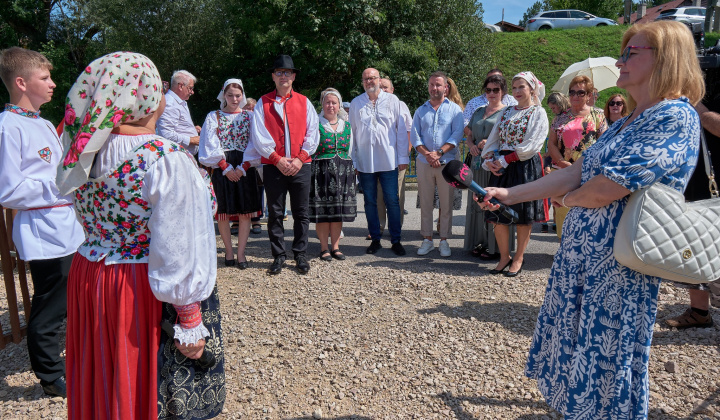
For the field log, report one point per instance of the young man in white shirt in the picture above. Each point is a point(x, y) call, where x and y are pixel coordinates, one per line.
point(45, 230)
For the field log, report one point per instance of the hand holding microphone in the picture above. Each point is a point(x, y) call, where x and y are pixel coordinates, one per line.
point(460, 176)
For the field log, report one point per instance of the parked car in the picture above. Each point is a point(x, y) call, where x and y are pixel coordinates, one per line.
point(684, 14)
point(564, 19)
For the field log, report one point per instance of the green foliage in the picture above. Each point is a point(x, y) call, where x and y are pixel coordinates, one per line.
point(330, 42)
point(549, 53)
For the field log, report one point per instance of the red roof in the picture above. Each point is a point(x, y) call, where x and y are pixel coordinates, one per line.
point(654, 12)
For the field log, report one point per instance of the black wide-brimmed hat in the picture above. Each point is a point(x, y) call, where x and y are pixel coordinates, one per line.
point(283, 62)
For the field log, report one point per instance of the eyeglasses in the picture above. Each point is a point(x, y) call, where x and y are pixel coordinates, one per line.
point(370, 79)
point(616, 103)
point(492, 90)
point(190, 88)
point(625, 56)
point(286, 73)
point(581, 93)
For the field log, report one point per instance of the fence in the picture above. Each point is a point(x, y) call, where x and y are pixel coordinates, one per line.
point(10, 262)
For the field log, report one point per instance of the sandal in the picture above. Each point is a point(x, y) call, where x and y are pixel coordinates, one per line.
point(325, 255)
point(690, 319)
point(337, 254)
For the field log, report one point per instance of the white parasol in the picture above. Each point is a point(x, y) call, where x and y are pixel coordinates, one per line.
point(601, 71)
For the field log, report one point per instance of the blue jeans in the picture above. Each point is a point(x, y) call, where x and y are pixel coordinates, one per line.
point(389, 184)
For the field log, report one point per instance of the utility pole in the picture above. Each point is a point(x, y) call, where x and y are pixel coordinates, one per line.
point(628, 11)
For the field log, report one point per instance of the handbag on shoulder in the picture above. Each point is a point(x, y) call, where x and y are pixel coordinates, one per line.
point(661, 235)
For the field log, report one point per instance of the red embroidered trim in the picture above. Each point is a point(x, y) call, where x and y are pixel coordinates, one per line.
point(50, 207)
point(303, 156)
point(274, 158)
point(512, 157)
point(189, 315)
point(246, 166)
point(223, 165)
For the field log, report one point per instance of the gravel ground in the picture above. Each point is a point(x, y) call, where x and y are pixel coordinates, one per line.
point(384, 337)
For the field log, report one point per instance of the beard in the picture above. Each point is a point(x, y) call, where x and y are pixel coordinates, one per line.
point(372, 89)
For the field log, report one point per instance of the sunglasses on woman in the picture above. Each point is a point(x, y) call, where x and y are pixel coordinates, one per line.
point(625, 56)
point(492, 90)
point(616, 103)
point(581, 93)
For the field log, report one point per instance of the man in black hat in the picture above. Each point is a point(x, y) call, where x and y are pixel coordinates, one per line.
point(285, 133)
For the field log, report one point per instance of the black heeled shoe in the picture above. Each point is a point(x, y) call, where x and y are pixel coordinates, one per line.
point(230, 263)
point(515, 273)
point(495, 271)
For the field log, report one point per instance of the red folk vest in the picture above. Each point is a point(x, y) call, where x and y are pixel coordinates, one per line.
point(296, 114)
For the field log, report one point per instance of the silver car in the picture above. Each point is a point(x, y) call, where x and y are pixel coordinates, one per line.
point(684, 14)
point(563, 19)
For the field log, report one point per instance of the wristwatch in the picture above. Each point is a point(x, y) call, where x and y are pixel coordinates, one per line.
point(441, 152)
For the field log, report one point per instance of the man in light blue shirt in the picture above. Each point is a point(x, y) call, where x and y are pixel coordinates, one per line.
point(436, 131)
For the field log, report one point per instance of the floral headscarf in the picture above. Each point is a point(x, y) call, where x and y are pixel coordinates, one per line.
point(221, 95)
point(537, 86)
point(112, 90)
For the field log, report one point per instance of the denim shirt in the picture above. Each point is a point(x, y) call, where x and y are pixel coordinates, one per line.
point(433, 129)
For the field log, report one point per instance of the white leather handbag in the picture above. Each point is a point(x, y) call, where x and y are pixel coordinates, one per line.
point(661, 235)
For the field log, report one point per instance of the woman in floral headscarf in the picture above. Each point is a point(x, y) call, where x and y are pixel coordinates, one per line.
point(150, 239)
point(223, 140)
point(511, 153)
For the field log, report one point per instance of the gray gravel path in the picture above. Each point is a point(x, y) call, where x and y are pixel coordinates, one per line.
point(384, 337)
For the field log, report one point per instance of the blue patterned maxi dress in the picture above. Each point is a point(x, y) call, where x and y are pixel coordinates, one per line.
point(591, 346)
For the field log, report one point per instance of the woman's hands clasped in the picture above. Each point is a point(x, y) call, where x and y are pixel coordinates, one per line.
point(191, 351)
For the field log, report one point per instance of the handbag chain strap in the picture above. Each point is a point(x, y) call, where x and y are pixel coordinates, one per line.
point(708, 166)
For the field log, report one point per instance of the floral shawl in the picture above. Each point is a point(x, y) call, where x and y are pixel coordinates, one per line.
point(112, 90)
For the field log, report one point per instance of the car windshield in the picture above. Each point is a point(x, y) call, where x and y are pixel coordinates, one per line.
point(668, 12)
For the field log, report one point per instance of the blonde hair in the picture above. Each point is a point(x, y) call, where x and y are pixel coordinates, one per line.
point(560, 100)
point(19, 62)
point(453, 93)
point(676, 71)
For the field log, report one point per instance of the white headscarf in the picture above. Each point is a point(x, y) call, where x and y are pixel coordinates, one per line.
point(341, 111)
point(537, 86)
point(221, 95)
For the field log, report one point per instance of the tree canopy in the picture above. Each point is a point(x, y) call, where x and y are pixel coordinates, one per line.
point(330, 42)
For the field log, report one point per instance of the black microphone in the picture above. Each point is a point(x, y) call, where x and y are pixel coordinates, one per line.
point(206, 361)
point(460, 176)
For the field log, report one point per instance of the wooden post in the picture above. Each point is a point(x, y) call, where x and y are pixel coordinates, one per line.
point(8, 262)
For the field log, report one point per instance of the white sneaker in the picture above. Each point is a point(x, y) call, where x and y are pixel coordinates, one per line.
point(444, 249)
point(426, 247)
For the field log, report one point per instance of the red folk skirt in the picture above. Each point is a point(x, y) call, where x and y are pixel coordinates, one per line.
point(113, 336)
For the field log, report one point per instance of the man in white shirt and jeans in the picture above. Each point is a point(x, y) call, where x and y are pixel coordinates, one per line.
point(175, 122)
point(380, 149)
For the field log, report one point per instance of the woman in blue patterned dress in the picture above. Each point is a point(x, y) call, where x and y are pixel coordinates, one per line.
point(591, 346)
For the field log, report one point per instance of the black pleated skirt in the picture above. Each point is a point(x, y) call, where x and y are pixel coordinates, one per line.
point(332, 191)
point(518, 173)
point(240, 197)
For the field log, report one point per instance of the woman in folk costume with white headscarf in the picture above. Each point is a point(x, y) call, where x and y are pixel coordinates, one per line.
point(511, 155)
point(149, 255)
point(332, 186)
point(223, 140)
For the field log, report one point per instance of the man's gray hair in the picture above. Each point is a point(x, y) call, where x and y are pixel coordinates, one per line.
point(182, 76)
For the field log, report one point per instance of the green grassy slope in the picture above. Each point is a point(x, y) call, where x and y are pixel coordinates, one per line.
point(549, 53)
